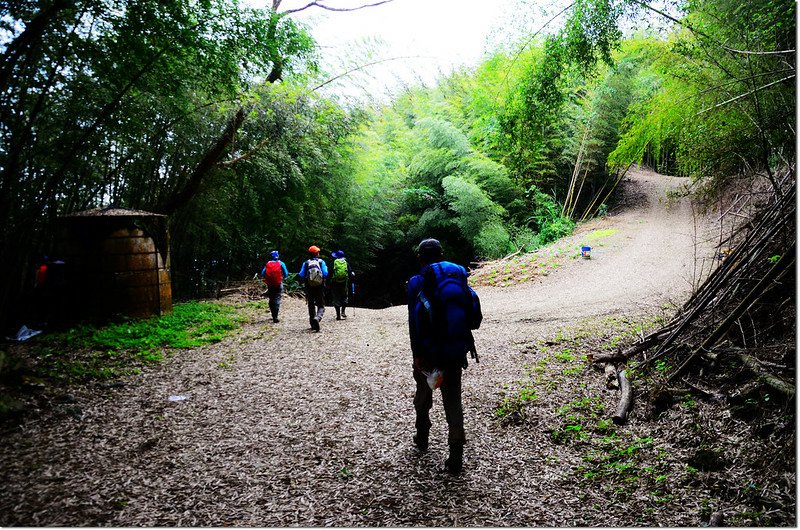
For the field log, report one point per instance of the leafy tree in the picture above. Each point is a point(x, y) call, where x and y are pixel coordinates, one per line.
point(128, 103)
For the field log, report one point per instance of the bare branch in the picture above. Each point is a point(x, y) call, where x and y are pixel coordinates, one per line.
point(706, 35)
point(746, 94)
point(361, 67)
point(737, 80)
point(316, 3)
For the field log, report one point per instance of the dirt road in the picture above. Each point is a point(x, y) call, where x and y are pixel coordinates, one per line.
point(285, 427)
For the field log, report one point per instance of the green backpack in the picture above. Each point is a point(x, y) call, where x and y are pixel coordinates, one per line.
point(339, 271)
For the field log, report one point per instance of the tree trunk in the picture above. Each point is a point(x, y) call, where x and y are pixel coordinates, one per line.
point(209, 160)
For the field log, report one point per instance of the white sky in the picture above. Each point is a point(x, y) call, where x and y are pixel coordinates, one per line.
point(437, 36)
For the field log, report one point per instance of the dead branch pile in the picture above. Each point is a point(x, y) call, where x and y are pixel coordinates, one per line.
point(738, 329)
point(249, 289)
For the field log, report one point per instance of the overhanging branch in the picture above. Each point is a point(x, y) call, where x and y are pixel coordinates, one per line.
point(741, 96)
point(706, 35)
point(331, 8)
point(361, 67)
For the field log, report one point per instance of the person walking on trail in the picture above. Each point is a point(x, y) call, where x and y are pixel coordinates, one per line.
point(340, 281)
point(314, 272)
point(442, 312)
point(273, 273)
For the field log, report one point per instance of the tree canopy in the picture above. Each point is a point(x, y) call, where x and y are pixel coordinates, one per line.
point(206, 111)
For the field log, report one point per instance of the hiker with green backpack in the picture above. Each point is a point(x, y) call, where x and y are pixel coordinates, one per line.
point(314, 272)
point(342, 276)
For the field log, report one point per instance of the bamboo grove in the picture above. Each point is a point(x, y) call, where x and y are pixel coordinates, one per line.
point(208, 111)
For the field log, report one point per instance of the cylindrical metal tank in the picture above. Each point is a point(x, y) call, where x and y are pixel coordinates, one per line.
point(116, 263)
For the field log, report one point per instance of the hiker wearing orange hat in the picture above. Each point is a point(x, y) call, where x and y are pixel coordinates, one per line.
point(313, 272)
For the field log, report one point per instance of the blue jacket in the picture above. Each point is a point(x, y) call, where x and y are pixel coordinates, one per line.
point(322, 266)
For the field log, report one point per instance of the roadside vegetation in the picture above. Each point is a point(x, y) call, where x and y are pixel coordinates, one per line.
point(709, 455)
point(240, 147)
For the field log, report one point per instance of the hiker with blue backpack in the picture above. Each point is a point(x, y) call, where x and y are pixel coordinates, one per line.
point(340, 280)
point(314, 271)
point(273, 274)
point(442, 312)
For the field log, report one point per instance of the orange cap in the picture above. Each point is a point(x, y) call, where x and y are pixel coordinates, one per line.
point(314, 249)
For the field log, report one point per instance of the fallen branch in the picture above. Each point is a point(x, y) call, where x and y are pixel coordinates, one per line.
point(615, 357)
point(625, 400)
point(650, 340)
point(776, 383)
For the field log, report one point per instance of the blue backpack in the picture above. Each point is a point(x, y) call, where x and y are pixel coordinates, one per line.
point(448, 310)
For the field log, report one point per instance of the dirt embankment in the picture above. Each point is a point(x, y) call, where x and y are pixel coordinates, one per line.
point(286, 427)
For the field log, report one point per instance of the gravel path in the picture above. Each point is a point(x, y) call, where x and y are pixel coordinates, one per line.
point(285, 427)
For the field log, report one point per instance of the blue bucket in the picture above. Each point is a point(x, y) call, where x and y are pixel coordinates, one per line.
point(586, 252)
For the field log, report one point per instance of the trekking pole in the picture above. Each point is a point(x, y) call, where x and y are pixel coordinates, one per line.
point(353, 294)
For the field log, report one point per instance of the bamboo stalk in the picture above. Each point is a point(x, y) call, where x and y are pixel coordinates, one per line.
point(773, 382)
point(786, 261)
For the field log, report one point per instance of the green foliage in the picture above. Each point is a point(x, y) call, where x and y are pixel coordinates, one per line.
point(546, 217)
point(709, 108)
point(493, 240)
point(582, 417)
point(117, 103)
point(621, 460)
point(472, 206)
point(297, 191)
point(512, 406)
point(591, 33)
point(117, 349)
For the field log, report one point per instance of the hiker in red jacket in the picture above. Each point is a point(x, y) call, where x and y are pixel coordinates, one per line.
point(273, 273)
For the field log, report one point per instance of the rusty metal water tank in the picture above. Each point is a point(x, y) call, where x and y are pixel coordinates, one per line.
point(117, 264)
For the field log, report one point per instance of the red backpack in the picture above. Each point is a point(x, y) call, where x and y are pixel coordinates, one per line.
point(274, 275)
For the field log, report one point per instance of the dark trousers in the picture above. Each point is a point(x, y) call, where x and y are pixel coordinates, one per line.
point(315, 296)
point(274, 295)
point(451, 400)
point(339, 295)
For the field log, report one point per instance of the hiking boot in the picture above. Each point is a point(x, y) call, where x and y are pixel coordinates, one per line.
point(314, 324)
point(455, 461)
point(343, 315)
point(421, 441)
point(275, 319)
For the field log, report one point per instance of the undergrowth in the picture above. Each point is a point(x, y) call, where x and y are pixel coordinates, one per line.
point(648, 463)
point(87, 352)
